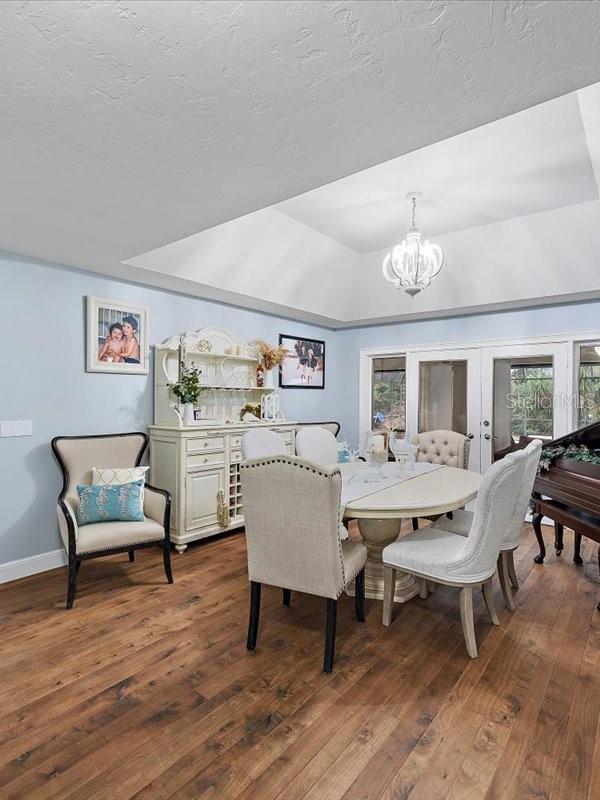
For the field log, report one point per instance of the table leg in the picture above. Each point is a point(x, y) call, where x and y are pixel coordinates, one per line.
point(377, 534)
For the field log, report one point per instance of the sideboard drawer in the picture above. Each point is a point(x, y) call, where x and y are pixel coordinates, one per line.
point(205, 443)
point(235, 457)
point(235, 441)
point(204, 460)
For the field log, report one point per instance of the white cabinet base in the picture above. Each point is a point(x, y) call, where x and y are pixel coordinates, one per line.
point(195, 465)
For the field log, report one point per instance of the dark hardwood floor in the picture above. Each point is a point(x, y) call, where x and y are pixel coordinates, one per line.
point(146, 690)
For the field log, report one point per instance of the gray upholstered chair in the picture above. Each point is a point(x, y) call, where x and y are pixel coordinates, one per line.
point(317, 444)
point(262, 442)
point(76, 455)
point(462, 521)
point(292, 518)
point(441, 447)
point(440, 556)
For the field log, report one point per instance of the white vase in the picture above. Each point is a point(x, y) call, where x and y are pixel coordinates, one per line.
point(188, 414)
point(269, 382)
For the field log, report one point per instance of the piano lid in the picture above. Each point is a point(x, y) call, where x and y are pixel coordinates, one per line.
point(588, 436)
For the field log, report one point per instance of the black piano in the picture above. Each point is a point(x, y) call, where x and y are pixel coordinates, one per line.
point(569, 493)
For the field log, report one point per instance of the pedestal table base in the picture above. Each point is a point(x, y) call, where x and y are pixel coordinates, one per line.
point(377, 534)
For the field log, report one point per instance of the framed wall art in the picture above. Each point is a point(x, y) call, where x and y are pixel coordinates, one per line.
point(117, 337)
point(304, 364)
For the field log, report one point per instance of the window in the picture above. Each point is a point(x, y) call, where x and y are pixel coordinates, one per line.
point(531, 396)
point(589, 384)
point(388, 393)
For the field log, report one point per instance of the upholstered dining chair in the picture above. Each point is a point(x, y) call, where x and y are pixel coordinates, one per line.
point(462, 521)
point(317, 444)
point(333, 427)
point(440, 556)
point(441, 447)
point(262, 442)
point(76, 456)
point(292, 519)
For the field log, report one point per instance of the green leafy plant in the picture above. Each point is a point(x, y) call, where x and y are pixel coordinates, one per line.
point(250, 409)
point(572, 452)
point(187, 389)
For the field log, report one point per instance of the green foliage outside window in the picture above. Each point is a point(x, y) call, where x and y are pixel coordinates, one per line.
point(389, 399)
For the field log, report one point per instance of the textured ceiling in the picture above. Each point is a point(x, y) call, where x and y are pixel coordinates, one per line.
point(129, 125)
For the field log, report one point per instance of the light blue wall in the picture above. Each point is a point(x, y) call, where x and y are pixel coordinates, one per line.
point(543, 321)
point(43, 378)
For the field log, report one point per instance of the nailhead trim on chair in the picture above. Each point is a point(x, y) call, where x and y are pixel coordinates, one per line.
point(292, 462)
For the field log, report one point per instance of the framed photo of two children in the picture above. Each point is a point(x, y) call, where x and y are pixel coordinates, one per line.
point(117, 337)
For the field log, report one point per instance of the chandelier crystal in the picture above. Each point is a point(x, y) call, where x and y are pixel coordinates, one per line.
point(413, 264)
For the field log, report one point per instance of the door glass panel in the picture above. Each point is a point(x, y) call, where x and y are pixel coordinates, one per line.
point(443, 396)
point(589, 384)
point(523, 402)
point(388, 394)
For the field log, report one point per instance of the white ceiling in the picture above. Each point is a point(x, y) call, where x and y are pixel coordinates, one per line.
point(531, 161)
point(130, 125)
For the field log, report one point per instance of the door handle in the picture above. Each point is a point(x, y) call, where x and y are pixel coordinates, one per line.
point(487, 436)
point(470, 435)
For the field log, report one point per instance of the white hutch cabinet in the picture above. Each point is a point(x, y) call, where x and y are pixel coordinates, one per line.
point(199, 464)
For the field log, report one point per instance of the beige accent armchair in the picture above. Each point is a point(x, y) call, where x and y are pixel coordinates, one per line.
point(441, 447)
point(76, 455)
point(292, 517)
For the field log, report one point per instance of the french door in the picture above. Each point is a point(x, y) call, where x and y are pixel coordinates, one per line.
point(525, 394)
point(444, 392)
point(498, 396)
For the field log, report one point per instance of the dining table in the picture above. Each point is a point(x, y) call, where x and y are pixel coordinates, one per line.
point(379, 498)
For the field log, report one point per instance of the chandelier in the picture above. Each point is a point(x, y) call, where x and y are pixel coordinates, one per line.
point(413, 264)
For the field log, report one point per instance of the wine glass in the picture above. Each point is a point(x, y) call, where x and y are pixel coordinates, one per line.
point(403, 450)
point(375, 449)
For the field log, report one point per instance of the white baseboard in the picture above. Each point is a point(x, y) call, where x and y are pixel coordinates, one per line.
point(13, 570)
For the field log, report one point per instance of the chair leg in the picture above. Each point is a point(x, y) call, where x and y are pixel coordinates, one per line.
point(389, 589)
point(77, 565)
point(330, 626)
point(254, 615)
point(488, 596)
point(72, 586)
point(503, 575)
point(415, 523)
point(359, 595)
point(512, 573)
point(166, 560)
point(132, 555)
point(287, 597)
point(466, 617)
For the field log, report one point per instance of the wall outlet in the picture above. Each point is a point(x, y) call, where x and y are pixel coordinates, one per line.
point(16, 427)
